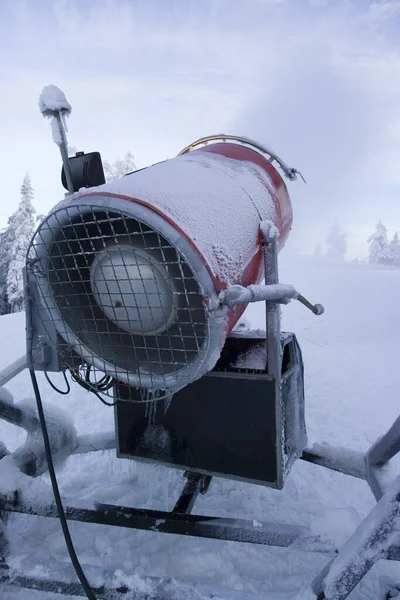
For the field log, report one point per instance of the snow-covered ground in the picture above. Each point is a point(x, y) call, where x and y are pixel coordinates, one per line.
point(352, 382)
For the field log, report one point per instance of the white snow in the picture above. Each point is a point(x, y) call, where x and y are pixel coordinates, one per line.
point(53, 99)
point(255, 358)
point(336, 524)
point(11, 479)
point(351, 399)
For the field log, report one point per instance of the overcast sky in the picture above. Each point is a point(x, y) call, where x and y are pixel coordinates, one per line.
point(318, 80)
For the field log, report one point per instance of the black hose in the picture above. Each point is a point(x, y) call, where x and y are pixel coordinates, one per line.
point(60, 509)
point(55, 388)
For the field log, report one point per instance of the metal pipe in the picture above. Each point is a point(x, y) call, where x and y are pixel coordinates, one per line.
point(13, 370)
point(64, 151)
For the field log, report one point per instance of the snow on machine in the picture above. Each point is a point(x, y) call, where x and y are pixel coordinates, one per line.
point(135, 288)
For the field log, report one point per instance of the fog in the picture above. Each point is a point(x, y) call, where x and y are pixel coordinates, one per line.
point(329, 106)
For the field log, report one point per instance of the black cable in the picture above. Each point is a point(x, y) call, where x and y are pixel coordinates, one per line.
point(104, 384)
point(93, 387)
point(60, 509)
point(55, 388)
point(102, 399)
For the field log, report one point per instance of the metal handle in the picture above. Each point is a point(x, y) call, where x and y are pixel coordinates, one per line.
point(289, 172)
point(273, 293)
point(317, 309)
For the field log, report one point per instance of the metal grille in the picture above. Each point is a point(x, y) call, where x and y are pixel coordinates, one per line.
point(121, 296)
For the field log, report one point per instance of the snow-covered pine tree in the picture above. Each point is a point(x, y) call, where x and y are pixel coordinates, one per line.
point(394, 250)
point(22, 224)
point(6, 237)
point(336, 243)
point(379, 245)
point(119, 168)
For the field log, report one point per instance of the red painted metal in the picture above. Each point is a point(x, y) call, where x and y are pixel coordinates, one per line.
point(215, 196)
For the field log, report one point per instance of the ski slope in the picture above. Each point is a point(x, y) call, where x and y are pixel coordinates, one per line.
point(352, 394)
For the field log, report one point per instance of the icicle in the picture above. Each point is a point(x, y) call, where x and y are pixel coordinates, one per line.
point(167, 403)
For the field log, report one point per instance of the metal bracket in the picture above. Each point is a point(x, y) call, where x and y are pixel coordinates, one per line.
point(196, 484)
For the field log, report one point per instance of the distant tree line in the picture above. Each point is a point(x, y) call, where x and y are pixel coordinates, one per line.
point(381, 250)
point(17, 235)
point(336, 245)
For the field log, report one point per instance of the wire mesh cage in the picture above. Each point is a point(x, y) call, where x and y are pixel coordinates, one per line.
point(122, 297)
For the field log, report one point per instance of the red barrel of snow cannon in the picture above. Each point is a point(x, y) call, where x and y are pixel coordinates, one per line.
point(148, 255)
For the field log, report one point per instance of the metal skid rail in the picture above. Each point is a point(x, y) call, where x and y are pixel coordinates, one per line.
point(179, 521)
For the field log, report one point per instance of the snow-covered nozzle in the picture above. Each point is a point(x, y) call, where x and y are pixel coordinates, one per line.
point(237, 294)
point(280, 293)
point(52, 100)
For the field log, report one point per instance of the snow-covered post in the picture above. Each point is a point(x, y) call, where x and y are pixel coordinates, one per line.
point(54, 105)
point(270, 237)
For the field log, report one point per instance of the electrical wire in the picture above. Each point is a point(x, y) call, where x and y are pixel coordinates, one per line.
point(107, 382)
point(55, 388)
point(96, 387)
point(60, 509)
point(104, 384)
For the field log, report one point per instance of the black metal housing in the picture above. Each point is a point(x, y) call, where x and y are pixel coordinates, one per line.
point(230, 423)
point(86, 170)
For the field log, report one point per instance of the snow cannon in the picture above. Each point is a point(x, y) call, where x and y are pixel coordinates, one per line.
point(133, 268)
point(135, 286)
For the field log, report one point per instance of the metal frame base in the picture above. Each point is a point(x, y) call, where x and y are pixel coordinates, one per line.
point(179, 521)
point(373, 539)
